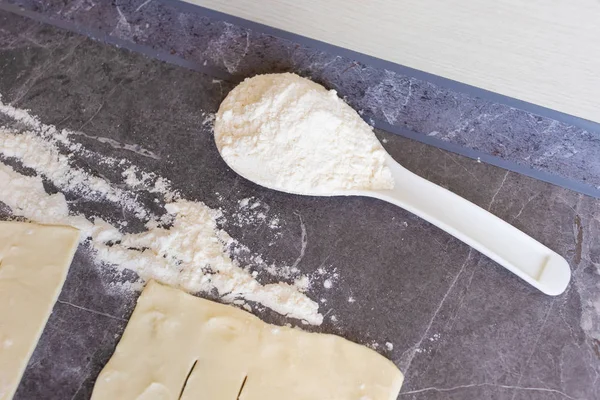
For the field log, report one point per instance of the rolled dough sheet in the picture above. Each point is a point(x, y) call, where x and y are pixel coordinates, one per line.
point(34, 261)
point(180, 346)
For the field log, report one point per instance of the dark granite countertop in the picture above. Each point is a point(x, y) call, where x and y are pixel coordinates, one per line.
point(462, 327)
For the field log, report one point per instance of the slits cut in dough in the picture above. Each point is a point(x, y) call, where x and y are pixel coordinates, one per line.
point(34, 261)
point(178, 346)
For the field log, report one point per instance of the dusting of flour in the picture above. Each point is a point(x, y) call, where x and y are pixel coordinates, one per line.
point(288, 133)
point(181, 247)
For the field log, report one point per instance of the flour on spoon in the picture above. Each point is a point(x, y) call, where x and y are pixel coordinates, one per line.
point(288, 133)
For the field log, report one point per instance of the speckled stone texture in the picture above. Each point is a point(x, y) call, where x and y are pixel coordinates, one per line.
point(406, 105)
point(462, 327)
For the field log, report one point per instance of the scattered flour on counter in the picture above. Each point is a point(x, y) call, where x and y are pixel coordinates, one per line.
point(303, 283)
point(26, 197)
point(373, 345)
point(244, 202)
point(189, 251)
point(329, 276)
point(389, 346)
point(288, 133)
point(274, 223)
point(209, 119)
point(190, 254)
point(251, 211)
point(44, 157)
point(135, 178)
point(285, 271)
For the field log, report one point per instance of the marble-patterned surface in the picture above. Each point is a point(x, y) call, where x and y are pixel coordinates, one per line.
point(461, 326)
point(531, 144)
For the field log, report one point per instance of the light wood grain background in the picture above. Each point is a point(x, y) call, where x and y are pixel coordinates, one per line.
point(545, 52)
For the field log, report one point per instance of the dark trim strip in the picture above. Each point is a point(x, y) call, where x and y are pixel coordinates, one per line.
point(493, 160)
point(383, 64)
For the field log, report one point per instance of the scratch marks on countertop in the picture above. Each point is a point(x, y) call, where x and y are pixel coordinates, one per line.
point(452, 321)
point(529, 200)
point(101, 105)
point(412, 351)
point(533, 348)
point(228, 49)
point(143, 5)
point(389, 97)
point(134, 148)
point(485, 384)
point(578, 228)
point(489, 207)
point(125, 29)
point(455, 161)
point(38, 73)
point(90, 310)
point(303, 242)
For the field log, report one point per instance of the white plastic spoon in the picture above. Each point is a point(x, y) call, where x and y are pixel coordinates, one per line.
point(516, 251)
point(290, 134)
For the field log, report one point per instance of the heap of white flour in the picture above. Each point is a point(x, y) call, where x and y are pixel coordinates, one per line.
point(288, 133)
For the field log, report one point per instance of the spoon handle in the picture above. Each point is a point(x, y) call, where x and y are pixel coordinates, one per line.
point(519, 253)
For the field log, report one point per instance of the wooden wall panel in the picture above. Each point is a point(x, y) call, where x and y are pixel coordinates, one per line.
point(546, 52)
